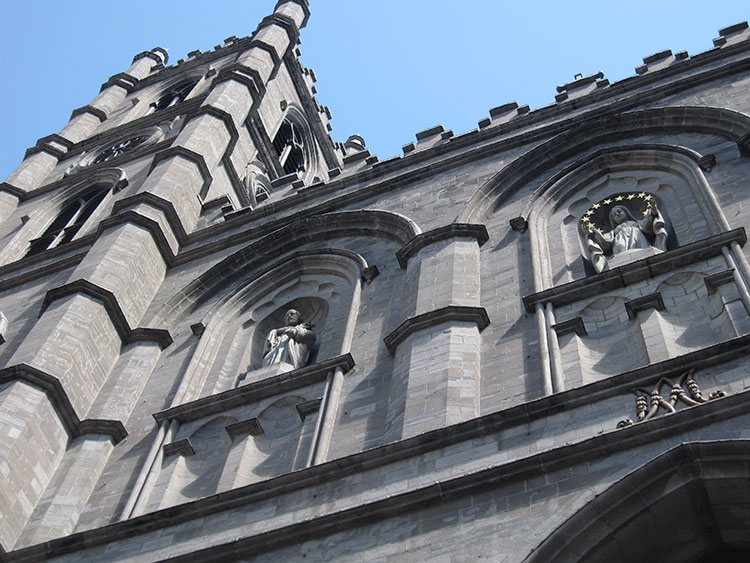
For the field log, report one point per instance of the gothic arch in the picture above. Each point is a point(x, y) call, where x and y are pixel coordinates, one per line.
point(707, 120)
point(324, 284)
point(257, 258)
point(670, 173)
point(107, 180)
point(688, 504)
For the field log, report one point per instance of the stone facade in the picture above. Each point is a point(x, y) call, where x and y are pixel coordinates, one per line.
point(476, 389)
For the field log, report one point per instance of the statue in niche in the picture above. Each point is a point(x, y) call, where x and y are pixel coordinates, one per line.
point(626, 233)
point(289, 344)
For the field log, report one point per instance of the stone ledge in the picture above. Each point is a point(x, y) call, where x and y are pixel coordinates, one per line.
point(636, 271)
point(713, 281)
point(112, 307)
point(96, 112)
point(250, 426)
point(545, 462)
point(454, 313)
point(157, 202)
point(121, 79)
point(652, 301)
point(572, 326)
point(226, 118)
point(282, 21)
point(253, 392)
point(131, 216)
point(190, 156)
point(447, 232)
point(180, 447)
point(63, 407)
point(244, 75)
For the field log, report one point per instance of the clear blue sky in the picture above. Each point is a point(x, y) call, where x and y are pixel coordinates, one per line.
point(387, 69)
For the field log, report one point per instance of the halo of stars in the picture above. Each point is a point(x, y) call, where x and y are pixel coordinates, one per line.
point(597, 215)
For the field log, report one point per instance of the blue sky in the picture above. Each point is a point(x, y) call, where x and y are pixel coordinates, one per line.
point(386, 69)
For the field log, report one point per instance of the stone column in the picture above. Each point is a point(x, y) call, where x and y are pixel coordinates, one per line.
point(436, 348)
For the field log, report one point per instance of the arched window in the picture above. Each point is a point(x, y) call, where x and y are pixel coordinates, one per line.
point(68, 222)
point(174, 95)
point(290, 147)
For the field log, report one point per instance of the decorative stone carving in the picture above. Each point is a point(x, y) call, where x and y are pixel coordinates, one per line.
point(626, 236)
point(677, 394)
point(289, 344)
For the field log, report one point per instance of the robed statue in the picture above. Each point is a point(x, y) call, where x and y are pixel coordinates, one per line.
point(291, 343)
point(626, 234)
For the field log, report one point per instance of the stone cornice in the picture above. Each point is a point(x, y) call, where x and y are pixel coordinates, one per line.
point(62, 405)
point(451, 313)
point(190, 156)
point(245, 75)
point(547, 461)
point(635, 271)
point(121, 79)
point(113, 309)
point(446, 232)
point(96, 112)
point(152, 200)
point(253, 392)
point(131, 216)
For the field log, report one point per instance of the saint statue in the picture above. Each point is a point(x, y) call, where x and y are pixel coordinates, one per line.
point(289, 344)
point(626, 234)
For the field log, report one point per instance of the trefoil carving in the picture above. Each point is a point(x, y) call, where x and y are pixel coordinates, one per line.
point(684, 389)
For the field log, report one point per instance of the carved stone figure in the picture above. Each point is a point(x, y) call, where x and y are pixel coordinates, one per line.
point(289, 344)
point(626, 234)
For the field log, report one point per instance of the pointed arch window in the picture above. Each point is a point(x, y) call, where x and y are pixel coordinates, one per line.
point(68, 222)
point(290, 147)
point(174, 95)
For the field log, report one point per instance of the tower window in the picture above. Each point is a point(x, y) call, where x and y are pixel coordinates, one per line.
point(68, 222)
point(290, 147)
point(174, 95)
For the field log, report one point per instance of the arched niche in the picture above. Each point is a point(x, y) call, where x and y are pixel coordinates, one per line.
point(669, 174)
point(324, 285)
point(578, 140)
point(689, 504)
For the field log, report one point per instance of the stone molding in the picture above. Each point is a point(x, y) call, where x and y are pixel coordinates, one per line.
point(689, 464)
point(574, 325)
point(56, 394)
point(301, 3)
point(636, 271)
point(250, 426)
point(244, 75)
point(190, 156)
point(14, 191)
point(158, 335)
point(178, 447)
point(158, 54)
point(157, 202)
point(536, 464)
point(282, 21)
point(451, 313)
point(447, 232)
point(131, 216)
point(308, 407)
point(226, 118)
point(121, 79)
point(713, 281)
point(46, 144)
point(252, 392)
point(96, 112)
point(652, 301)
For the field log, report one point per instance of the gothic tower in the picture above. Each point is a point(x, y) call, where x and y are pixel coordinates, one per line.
point(228, 337)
